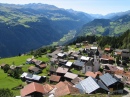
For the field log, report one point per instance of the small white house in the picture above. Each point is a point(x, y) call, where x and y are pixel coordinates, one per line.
point(68, 64)
point(84, 58)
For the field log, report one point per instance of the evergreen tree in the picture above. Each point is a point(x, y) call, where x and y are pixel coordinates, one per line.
point(6, 68)
point(6, 93)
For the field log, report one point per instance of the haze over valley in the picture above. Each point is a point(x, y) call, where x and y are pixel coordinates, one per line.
point(30, 26)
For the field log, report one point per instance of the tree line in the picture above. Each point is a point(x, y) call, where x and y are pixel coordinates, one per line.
point(122, 41)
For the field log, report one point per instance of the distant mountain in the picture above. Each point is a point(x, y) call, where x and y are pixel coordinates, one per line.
point(97, 16)
point(30, 26)
point(112, 16)
point(106, 26)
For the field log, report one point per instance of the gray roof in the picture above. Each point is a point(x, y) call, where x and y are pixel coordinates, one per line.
point(79, 63)
point(89, 85)
point(76, 80)
point(126, 50)
point(118, 50)
point(80, 87)
point(108, 79)
point(102, 85)
point(31, 76)
point(123, 54)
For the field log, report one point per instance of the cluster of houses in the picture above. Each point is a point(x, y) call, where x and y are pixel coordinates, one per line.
point(11, 68)
point(33, 71)
point(38, 65)
point(89, 70)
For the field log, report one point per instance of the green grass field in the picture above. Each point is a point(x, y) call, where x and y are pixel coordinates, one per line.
point(9, 82)
point(19, 60)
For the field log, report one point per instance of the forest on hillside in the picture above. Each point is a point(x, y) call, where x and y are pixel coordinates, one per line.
point(122, 41)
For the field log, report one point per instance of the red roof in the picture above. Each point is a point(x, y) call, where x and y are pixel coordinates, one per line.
point(92, 74)
point(60, 84)
point(107, 49)
point(65, 90)
point(32, 87)
point(42, 65)
point(55, 78)
point(62, 70)
point(48, 87)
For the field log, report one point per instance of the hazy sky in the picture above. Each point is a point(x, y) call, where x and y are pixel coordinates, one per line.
point(88, 6)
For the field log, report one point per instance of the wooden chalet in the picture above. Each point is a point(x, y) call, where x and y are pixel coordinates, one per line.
point(34, 70)
point(33, 89)
point(54, 78)
point(113, 84)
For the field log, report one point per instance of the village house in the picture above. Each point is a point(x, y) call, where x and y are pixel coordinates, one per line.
point(84, 58)
point(106, 59)
point(61, 71)
point(78, 45)
point(85, 43)
point(54, 78)
point(109, 68)
point(32, 78)
point(52, 70)
point(76, 80)
point(34, 70)
point(4, 65)
point(34, 61)
point(91, 51)
point(70, 76)
point(13, 67)
point(78, 64)
point(113, 84)
point(91, 85)
point(29, 61)
point(61, 55)
point(94, 48)
point(66, 90)
point(124, 76)
point(117, 52)
point(42, 65)
point(75, 55)
point(93, 74)
point(62, 62)
point(38, 62)
point(125, 54)
point(108, 50)
point(69, 64)
point(63, 88)
point(33, 89)
point(48, 87)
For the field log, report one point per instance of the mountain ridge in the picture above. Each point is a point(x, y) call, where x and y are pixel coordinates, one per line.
point(111, 27)
point(31, 26)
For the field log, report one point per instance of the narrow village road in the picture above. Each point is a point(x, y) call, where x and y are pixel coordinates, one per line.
point(127, 92)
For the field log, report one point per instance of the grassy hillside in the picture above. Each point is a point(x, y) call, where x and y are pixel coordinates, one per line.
point(106, 27)
point(31, 26)
point(9, 82)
